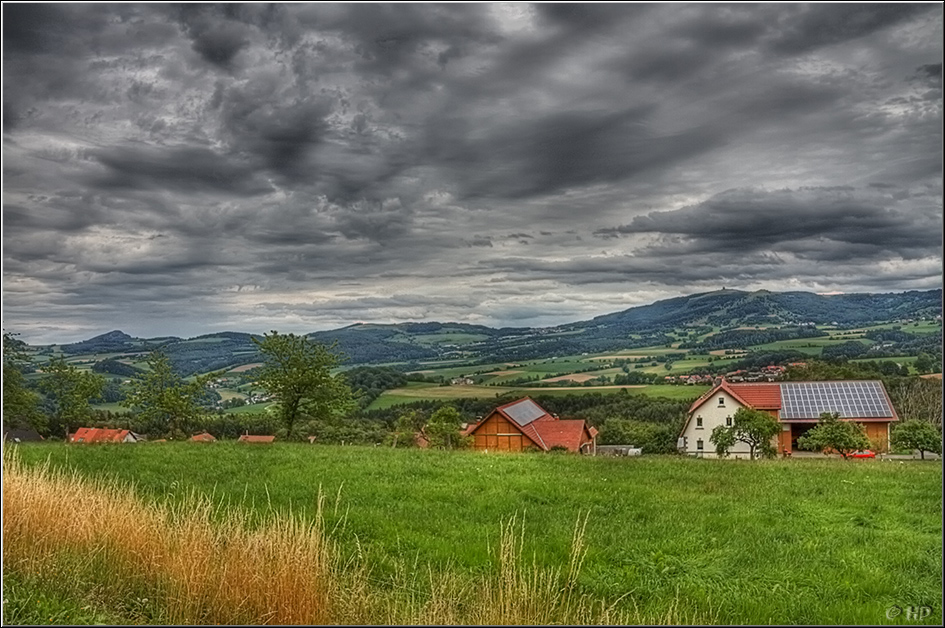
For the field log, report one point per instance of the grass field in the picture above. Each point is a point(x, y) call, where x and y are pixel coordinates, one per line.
point(249, 409)
point(668, 539)
point(457, 338)
point(110, 407)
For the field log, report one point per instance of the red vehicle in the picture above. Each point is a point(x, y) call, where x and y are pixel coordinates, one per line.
point(863, 453)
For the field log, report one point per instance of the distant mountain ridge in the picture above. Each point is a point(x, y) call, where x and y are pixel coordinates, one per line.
point(729, 307)
point(367, 343)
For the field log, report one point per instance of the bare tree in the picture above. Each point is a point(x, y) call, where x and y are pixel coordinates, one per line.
point(918, 399)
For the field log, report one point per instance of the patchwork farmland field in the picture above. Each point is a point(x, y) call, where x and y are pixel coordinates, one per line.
point(668, 540)
point(417, 392)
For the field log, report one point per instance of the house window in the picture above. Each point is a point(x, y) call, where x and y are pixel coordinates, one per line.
point(698, 421)
point(721, 401)
point(728, 421)
point(699, 445)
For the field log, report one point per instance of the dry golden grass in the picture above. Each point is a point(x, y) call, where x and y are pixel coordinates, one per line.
point(201, 570)
point(197, 563)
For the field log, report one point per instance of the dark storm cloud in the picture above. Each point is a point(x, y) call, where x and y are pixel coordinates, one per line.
point(216, 38)
point(930, 74)
point(386, 37)
point(41, 28)
point(250, 163)
point(817, 25)
point(829, 223)
point(186, 169)
point(563, 150)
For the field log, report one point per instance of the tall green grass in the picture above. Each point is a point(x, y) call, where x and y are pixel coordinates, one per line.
point(189, 562)
point(665, 539)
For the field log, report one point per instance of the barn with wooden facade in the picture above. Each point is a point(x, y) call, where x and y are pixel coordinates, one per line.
point(523, 425)
point(796, 405)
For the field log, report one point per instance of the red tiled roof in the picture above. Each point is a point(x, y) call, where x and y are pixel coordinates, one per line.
point(249, 438)
point(571, 433)
point(759, 396)
point(532, 434)
point(98, 435)
point(205, 437)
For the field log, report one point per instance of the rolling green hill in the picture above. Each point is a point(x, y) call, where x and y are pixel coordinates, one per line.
point(658, 324)
point(735, 307)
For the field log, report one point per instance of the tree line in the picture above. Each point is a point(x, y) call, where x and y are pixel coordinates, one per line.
point(312, 402)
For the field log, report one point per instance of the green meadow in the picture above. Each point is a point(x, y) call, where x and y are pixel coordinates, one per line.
point(667, 539)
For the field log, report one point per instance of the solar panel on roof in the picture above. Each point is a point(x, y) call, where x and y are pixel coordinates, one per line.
point(807, 400)
point(524, 412)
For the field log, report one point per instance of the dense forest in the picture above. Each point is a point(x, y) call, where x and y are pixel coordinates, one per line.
point(736, 338)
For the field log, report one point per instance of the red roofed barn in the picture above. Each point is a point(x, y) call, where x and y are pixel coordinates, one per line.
point(523, 424)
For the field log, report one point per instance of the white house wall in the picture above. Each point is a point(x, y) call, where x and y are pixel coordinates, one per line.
point(713, 414)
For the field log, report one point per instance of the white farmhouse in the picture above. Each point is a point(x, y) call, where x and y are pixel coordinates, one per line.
point(796, 405)
point(718, 407)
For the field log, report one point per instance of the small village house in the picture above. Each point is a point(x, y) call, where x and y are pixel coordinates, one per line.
point(21, 435)
point(251, 438)
point(796, 405)
point(523, 425)
point(204, 437)
point(88, 435)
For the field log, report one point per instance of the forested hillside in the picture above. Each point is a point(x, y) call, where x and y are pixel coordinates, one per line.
point(788, 315)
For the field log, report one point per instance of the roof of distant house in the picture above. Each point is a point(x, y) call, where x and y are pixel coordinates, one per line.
point(759, 396)
point(250, 438)
point(205, 437)
point(17, 435)
point(567, 433)
point(100, 435)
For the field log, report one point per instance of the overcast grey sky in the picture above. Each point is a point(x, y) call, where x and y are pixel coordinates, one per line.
point(189, 169)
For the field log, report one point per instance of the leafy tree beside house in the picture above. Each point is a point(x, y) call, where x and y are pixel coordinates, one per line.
point(844, 437)
point(405, 428)
point(752, 427)
point(917, 435)
point(297, 373)
point(443, 429)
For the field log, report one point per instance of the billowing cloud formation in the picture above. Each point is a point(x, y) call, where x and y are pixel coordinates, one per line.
point(185, 169)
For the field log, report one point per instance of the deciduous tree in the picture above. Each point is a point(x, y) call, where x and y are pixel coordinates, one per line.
point(831, 433)
point(297, 373)
point(918, 399)
point(406, 427)
point(164, 401)
point(20, 405)
point(917, 435)
point(70, 392)
point(443, 428)
point(752, 427)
